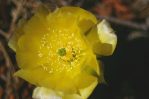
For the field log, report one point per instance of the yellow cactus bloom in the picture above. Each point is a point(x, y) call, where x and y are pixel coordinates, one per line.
point(56, 51)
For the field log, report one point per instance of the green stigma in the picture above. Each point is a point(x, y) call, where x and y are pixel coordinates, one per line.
point(62, 52)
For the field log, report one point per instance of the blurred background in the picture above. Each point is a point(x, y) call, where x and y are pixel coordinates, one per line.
point(126, 71)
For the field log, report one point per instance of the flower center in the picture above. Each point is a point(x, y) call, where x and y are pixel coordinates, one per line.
point(68, 54)
point(62, 51)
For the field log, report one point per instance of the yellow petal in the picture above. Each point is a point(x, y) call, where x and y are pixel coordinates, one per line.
point(38, 23)
point(23, 26)
point(18, 32)
point(70, 81)
point(88, 78)
point(74, 16)
point(102, 38)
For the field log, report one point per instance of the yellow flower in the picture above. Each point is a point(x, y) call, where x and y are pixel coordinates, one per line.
point(56, 51)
